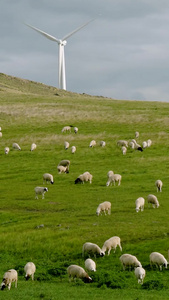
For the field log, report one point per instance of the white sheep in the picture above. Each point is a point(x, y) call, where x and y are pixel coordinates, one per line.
point(159, 185)
point(111, 243)
point(137, 146)
point(75, 271)
point(121, 143)
point(131, 145)
point(66, 145)
point(104, 207)
point(33, 146)
point(65, 163)
point(91, 249)
point(86, 176)
point(16, 146)
point(102, 143)
point(140, 204)
point(140, 274)
point(9, 277)
point(144, 144)
point(62, 169)
point(110, 173)
point(124, 150)
point(29, 269)
point(137, 134)
point(90, 265)
point(48, 178)
point(92, 143)
point(152, 199)
point(6, 150)
point(66, 128)
point(75, 129)
point(40, 191)
point(114, 178)
point(128, 260)
point(158, 259)
point(149, 143)
point(73, 149)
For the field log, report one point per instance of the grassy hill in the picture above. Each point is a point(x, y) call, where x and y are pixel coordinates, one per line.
point(32, 112)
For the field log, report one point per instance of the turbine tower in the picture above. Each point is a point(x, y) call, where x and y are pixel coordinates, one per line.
point(61, 43)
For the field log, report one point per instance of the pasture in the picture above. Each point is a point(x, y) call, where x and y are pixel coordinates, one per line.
point(35, 113)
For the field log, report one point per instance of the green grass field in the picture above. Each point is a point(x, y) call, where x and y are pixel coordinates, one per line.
point(32, 112)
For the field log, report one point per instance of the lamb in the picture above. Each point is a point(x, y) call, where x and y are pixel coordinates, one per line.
point(111, 243)
point(158, 259)
point(40, 191)
point(121, 143)
point(159, 185)
point(103, 208)
point(92, 143)
point(29, 269)
point(114, 178)
point(48, 178)
point(33, 146)
point(16, 146)
point(9, 277)
point(92, 249)
point(65, 163)
point(62, 169)
point(140, 274)
point(66, 128)
point(153, 200)
point(140, 204)
point(75, 271)
point(102, 143)
point(73, 149)
point(90, 265)
point(86, 176)
point(124, 150)
point(75, 129)
point(137, 134)
point(6, 150)
point(128, 260)
point(66, 145)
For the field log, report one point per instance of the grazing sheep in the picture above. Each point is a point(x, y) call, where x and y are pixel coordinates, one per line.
point(66, 145)
point(16, 146)
point(124, 150)
point(65, 163)
point(29, 269)
point(92, 143)
point(40, 191)
point(111, 243)
point(75, 129)
point(158, 259)
point(33, 146)
point(48, 178)
point(66, 128)
point(6, 150)
point(73, 149)
point(128, 260)
point(110, 173)
point(9, 277)
point(140, 274)
point(131, 145)
point(75, 271)
point(121, 143)
point(153, 200)
point(62, 169)
point(103, 208)
point(114, 178)
point(91, 249)
point(86, 176)
point(137, 146)
point(140, 204)
point(159, 185)
point(137, 134)
point(102, 143)
point(149, 143)
point(144, 144)
point(90, 265)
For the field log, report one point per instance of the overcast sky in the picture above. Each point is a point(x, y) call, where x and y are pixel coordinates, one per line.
point(122, 54)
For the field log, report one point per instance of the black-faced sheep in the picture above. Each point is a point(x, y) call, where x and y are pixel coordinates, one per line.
point(40, 191)
point(9, 277)
point(84, 178)
point(48, 178)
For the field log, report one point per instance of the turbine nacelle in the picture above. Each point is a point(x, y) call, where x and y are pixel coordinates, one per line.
point(63, 43)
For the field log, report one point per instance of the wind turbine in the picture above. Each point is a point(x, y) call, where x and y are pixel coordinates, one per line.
point(61, 43)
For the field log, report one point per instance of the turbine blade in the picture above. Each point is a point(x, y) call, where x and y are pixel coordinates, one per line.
point(48, 36)
point(77, 29)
